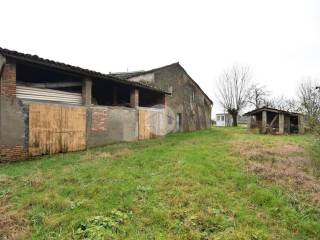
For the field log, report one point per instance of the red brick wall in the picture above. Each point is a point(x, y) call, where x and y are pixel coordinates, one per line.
point(99, 121)
point(12, 153)
point(8, 80)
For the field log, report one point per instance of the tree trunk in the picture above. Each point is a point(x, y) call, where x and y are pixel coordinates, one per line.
point(235, 120)
point(234, 114)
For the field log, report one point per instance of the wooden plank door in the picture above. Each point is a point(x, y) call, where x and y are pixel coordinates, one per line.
point(144, 131)
point(73, 129)
point(55, 128)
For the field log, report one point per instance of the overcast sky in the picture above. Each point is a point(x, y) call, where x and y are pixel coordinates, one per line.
point(278, 39)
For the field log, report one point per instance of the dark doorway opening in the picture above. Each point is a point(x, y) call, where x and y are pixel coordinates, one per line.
point(294, 126)
point(179, 122)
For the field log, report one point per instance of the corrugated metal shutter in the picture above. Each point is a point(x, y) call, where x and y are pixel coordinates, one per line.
point(30, 93)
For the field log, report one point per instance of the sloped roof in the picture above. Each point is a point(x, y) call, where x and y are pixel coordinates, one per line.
point(34, 59)
point(268, 109)
point(128, 75)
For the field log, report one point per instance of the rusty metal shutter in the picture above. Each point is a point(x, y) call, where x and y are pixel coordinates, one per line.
point(30, 93)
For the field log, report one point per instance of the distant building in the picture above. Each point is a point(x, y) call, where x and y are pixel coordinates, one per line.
point(225, 120)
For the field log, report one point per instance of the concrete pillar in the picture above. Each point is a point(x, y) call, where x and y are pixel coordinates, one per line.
point(281, 123)
point(115, 95)
point(8, 81)
point(134, 97)
point(86, 92)
point(249, 120)
point(301, 123)
point(264, 122)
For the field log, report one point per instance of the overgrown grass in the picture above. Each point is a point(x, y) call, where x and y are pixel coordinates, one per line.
point(184, 186)
point(315, 152)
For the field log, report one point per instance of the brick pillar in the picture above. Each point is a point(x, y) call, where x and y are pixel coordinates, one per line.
point(134, 97)
point(86, 91)
point(301, 123)
point(281, 123)
point(264, 122)
point(8, 80)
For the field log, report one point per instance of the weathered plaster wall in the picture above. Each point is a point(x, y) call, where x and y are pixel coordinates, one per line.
point(196, 112)
point(111, 124)
point(13, 128)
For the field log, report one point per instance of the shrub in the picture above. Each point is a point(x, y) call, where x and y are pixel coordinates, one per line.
point(100, 227)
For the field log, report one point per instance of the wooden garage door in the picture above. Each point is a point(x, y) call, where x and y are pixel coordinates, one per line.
point(54, 129)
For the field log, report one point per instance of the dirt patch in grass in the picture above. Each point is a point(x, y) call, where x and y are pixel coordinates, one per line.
point(286, 164)
point(13, 224)
point(110, 155)
point(257, 151)
point(288, 176)
point(37, 179)
point(5, 180)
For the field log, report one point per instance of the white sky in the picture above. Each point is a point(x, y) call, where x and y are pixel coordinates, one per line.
point(278, 39)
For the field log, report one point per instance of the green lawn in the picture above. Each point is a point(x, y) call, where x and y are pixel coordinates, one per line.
point(185, 186)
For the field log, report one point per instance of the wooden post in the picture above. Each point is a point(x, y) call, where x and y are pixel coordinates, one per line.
point(249, 120)
point(134, 97)
point(86, 91)
point(281, 123)
point(301, 123)
point(264, 122)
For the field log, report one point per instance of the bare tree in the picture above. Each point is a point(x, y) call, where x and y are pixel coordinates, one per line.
point(309, 98)
point(258, 95)
point(233, 90)
point(283, 103)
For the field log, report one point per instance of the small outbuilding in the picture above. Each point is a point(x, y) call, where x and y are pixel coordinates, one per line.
point(275, 121)
point(223, 120)
point(226, 120)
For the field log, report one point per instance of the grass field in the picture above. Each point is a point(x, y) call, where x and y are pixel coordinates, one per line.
point(213, 184)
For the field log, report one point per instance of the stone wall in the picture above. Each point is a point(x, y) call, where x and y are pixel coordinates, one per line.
point(186, 97)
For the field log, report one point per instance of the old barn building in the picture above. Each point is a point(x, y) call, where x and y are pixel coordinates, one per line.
point(189, 103)
point(276, 121)
point(49, 107)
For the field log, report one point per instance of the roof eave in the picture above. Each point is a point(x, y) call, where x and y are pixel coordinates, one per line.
point(81, 72)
